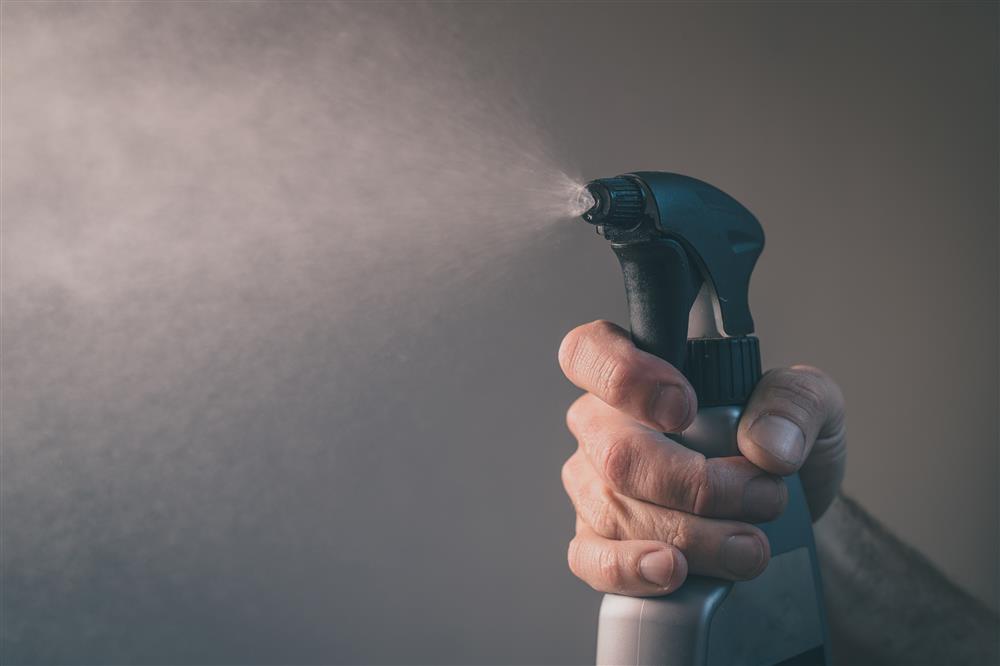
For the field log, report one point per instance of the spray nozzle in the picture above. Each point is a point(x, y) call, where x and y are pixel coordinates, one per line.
point(676, 236)
point(618, 202)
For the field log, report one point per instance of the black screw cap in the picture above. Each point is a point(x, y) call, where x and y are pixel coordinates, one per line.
point(723, 371)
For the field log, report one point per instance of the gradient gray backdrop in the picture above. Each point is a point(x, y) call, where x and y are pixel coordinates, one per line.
point(231, 479)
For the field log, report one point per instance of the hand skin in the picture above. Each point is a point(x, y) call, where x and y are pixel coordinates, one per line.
point(650, 511)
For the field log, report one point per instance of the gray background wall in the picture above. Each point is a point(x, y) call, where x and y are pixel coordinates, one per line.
point(254, 415)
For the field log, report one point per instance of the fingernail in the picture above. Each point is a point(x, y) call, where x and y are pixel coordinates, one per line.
point(742, 555)
point(780, 437)
point(657, 567)
point(762, 497)
point(671, 408)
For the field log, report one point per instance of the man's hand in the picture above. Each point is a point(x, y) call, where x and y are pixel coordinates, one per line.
point(650, 510)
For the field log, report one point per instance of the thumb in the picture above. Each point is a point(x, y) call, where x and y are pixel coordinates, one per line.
point(794, 421)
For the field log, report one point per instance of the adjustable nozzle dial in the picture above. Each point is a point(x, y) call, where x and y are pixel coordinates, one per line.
point(618, 202)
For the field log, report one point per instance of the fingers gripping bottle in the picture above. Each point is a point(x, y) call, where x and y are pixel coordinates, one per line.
point(687, 250)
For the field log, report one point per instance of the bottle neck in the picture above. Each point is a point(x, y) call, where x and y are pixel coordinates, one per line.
point(723, 371)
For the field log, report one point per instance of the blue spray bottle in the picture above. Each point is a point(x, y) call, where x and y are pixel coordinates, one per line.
point(687, 250)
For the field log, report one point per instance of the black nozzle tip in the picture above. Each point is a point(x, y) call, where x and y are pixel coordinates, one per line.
point(618, 202)
point(596, 211)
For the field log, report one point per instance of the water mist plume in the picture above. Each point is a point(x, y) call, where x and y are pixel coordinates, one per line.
point(220, 176)
point(223, 224)
point(153, 174)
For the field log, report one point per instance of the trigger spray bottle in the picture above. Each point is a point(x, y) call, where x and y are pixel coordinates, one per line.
point(687, 250)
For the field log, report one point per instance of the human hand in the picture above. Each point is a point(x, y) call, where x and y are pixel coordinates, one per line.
point(650, 510)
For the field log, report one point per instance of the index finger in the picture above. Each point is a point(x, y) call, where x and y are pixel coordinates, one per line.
point(600, 358)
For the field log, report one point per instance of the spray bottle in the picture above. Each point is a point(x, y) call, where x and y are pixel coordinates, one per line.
point(687, 250)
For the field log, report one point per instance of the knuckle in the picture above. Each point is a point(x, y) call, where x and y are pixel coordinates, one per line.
point(620, 461)
point(603, 328)
point(809, 370)
point(575, 414)
point(567, 474)
point(808, 396)
point(678, 533)
point(698, 490)
point(615, 379)
point(603, 510)
point(823, 384)
point(610, 569)
point(802, 394)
